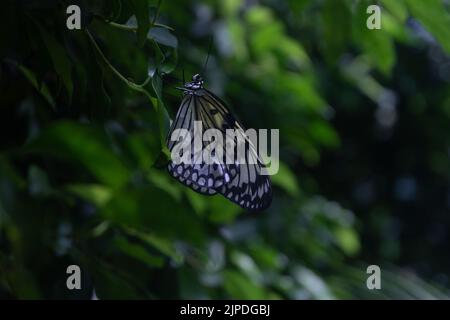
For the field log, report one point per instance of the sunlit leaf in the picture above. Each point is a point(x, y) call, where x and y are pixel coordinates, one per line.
point(397, 8)
point(348, 240)
point(95, 193)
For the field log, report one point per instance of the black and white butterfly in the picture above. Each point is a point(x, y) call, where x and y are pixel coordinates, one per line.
point(239, 181)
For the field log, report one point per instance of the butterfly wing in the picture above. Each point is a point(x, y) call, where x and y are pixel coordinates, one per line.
point(249, 188)
point(199, 176)
point(240, 182)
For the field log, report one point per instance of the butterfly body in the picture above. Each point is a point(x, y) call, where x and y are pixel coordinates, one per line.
point(240, 180)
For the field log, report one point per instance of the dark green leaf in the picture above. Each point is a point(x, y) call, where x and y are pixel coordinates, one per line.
point(86, 145)
point(142, 12)
point(60, 59)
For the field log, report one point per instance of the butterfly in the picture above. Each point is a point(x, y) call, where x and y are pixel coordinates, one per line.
point(239, 180)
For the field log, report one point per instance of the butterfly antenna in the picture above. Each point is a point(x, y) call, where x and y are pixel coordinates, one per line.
point(207, 57)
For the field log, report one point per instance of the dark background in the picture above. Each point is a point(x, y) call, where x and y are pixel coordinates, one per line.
point(364, 147)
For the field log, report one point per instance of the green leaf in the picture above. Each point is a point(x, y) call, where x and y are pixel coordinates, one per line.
point(247, 265)
point(324, 134)
point(265, 256)
point(286, 179)
point(348, 240)
point(335, 23)
point(396, 8)
point(315, 285)
point(142, 13)
point(377, 45)
point(95, 193)
point(222, 210)
point(163, 36)
point(138, 252)
point(198, 202)
point(163, 245)
point(239, 286)
point(60, 59)
point(41, 88)
point(163, 181)
point(145, 148)
point(303, 90)
point(21, 281)
point(111, 284)
point(86, 145)
point(435, 18)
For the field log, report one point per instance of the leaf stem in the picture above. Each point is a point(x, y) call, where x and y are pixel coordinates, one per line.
point(158, 105)
point(130, 84)
point(133, 29)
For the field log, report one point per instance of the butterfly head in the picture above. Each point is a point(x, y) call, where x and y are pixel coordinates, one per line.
point(195, 84)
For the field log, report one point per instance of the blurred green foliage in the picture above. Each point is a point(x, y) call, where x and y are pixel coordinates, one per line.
point(364, 141)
